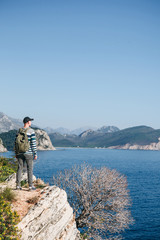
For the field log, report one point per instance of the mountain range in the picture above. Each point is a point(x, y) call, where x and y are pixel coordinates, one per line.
point(62, 130)
point(78, 131)
point(139, 137)
point(7, 123)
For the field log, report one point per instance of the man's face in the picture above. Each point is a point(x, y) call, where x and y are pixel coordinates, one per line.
point(29, 123)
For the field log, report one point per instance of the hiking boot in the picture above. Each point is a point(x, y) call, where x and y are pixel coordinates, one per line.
point(18, 188)
point(32, 188)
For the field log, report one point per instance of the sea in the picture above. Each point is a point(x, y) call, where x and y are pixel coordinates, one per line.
point(142, 169)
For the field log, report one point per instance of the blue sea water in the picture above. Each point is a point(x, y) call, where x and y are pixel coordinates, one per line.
point(142, 169)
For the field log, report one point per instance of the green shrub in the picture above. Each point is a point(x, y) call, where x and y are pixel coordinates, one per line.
point(8, 166)
point(8, 221)
point(24, 183)
point(40, 184)
point(8, 194)
point(83, 236)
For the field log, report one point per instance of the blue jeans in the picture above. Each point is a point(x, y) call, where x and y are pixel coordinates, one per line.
point(24, 159)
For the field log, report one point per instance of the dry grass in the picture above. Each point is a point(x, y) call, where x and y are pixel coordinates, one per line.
point(33, 200)
point(8, 194)
point(40, 184)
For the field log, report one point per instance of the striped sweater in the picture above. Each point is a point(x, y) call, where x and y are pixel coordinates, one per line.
point(32, 140)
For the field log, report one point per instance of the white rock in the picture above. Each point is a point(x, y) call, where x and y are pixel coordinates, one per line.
point(50, 219)
point(43, 140)
point(2, 148)
point(152, 146)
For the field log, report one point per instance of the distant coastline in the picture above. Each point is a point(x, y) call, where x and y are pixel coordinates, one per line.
point(125, 147)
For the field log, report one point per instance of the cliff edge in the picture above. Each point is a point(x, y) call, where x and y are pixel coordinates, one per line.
point(45, 214)
point(50, 219)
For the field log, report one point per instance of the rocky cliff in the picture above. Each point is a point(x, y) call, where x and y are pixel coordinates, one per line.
point(2, 148)
point(50, 218)
point(43, 140)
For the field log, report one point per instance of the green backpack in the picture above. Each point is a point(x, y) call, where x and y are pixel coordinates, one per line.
point(22, 144)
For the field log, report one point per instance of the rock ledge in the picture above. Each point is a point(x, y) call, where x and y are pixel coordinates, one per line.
point(50, 219)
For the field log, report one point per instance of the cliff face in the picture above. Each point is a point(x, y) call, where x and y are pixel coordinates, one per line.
point(50, 219)
point(2, 148)
point(43, 140)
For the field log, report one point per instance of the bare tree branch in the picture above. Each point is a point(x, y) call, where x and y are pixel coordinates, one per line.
point(100, 200)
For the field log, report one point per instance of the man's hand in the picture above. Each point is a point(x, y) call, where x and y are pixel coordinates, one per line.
point(35, 157)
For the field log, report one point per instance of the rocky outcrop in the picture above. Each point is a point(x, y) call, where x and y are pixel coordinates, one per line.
point(50, 219)
point(43, 140)
point(152, 146)
point(2, 148)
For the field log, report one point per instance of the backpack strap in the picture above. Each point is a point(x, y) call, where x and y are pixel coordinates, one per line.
point(23, 130)
point(26, 129)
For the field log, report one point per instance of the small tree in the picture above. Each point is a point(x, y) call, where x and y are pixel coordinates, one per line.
point(99, 198)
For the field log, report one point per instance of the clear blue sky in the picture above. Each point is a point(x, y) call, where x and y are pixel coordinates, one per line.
point(78, 63)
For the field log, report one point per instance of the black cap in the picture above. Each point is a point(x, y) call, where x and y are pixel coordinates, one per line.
point(27, 119)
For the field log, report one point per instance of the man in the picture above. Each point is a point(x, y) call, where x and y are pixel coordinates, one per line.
point(27, 156)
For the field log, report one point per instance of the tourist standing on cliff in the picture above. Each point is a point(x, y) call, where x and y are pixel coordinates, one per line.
point(25, 151)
